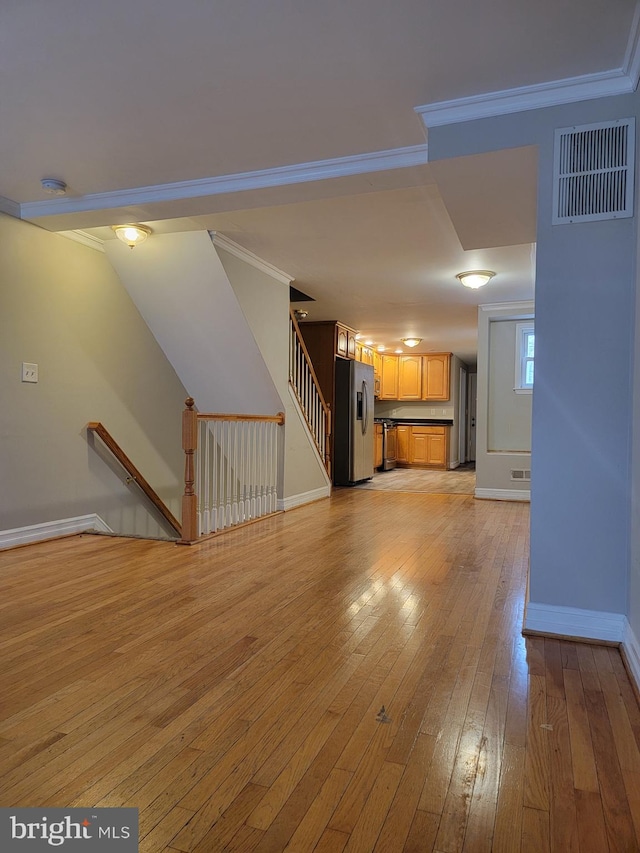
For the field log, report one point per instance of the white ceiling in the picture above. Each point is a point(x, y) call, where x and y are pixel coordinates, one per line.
point(121, 99)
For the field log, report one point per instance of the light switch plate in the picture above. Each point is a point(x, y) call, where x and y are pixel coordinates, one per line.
point(29, 372)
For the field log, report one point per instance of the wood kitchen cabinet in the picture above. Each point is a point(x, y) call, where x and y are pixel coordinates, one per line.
point(389, 377)
point(436, 369)
point(402, 447)
point(428, 446)
point(345, 341)
point(415, 377)
point(377, 446)
point(410, 368)
point(364, 354)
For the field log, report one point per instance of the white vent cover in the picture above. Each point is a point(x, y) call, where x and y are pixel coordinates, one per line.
point(593, 172)
point(521, 474)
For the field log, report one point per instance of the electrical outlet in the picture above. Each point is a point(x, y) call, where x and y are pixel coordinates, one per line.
point(29, 372)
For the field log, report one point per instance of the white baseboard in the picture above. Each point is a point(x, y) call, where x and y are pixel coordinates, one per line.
point(504, 494)
point(631, 649)
point(51, 530)
point(304, 498)
point(573, 622)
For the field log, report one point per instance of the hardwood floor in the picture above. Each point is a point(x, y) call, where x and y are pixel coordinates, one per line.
point(348, 676)
point(459, 481)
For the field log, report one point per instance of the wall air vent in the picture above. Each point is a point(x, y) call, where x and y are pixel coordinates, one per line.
point(521, 474)
point(593, 172)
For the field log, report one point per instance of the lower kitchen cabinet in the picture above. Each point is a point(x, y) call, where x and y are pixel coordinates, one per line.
point(377, 446)
point(428, 446)
point(403, 434)
point(423, 446)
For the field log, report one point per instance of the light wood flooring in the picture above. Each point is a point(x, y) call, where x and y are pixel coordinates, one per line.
point(234, 692)
point(459, 481)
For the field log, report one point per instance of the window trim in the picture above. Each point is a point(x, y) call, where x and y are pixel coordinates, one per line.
point(523, 330)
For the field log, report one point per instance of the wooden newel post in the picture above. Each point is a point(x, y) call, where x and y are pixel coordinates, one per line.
point(189, 499)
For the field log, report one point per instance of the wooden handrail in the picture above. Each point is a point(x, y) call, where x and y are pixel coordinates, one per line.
point(190, 418)
point(325, 406)
point(307, 357)
point(136, 476)
point(214, 416)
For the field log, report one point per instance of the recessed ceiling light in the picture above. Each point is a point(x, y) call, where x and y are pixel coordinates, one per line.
point(368, 343)
point(399, 351)
point(475, 278)
point(411, 342)
point(381, 347)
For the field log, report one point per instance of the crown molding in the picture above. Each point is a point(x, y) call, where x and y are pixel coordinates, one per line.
point(318, 170)
point(558, 92)
point(631, 64)
point(12, 208)
point(239, 251)
point(521, 308)
point(84, 238)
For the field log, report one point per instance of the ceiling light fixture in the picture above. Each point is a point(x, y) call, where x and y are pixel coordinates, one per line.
point(475, 278)
point(411, 342)
point(132, 234)
point(300, 314)
point(381, 348)
point(368, 343)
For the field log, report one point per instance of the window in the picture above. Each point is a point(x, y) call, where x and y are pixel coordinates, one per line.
point(525, 352)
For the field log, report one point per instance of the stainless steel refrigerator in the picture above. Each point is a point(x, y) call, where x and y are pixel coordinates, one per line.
point(353, 423)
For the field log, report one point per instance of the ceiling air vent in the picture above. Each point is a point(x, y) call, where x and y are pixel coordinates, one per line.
point(593, 172)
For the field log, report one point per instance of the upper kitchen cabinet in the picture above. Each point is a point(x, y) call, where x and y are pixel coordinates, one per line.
point(345, 341)
point(389, 377)
point(416, 377)
point(410, 377)
point(436, 370)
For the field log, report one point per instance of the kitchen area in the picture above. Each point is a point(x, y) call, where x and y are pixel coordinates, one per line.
point(409, 409)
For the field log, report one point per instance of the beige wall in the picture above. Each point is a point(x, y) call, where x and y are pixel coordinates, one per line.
point(63, 307)
point(509, 414)
point(265, 303)
point(499, 409)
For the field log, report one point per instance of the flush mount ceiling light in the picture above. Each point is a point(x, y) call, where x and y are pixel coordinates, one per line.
point(475, 278)
point(411, 342)
point(132, 234)
point(299, 314)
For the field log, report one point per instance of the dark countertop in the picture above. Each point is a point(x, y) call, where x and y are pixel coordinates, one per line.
point(419, 421)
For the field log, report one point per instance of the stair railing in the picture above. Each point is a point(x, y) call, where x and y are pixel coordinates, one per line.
point(134, 475)
point(231, 470)
point(305, 385)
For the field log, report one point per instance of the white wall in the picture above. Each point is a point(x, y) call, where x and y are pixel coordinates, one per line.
point(181, 289)
point(497, 401)
point(582, 404)
point(265, 304)
point(63, 307)
point(509, 413)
